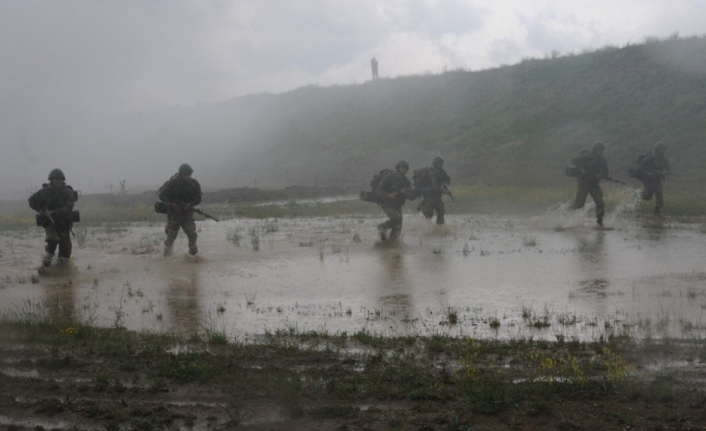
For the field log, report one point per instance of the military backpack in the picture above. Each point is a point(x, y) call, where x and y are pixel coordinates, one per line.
point(421, 178)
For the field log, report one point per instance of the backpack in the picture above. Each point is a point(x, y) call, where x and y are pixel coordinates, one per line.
point(636, 172)
point(377, 178)
point(421, 178)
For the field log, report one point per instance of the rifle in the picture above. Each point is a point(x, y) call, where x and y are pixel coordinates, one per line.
point(427, 189)
point(198, 211)
point(613, 180)
point(182, 204)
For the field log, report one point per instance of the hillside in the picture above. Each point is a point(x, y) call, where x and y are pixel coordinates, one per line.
point(514, 125)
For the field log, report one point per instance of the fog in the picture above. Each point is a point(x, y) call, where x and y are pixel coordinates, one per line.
point(121, 90)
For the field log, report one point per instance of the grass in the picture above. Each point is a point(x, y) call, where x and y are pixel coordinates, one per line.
point(325, 376)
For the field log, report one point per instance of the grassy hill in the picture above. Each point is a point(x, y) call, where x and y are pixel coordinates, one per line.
point(514, 125)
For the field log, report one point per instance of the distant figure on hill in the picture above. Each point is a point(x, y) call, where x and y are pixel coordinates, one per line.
point(653, 167)
point(392, 192)
point(592, 167)
point(374, 67)
point(180, 194)
point(435, 181)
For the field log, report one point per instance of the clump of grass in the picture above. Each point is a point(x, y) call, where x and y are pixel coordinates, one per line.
point(255, 241)
point(234, 236)
point(307, 243)
point(529, 241)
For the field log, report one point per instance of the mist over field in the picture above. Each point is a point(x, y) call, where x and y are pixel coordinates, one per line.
point(266, 95)
point(516, 125)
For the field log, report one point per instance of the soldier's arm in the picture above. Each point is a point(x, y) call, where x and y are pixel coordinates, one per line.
point(164, 193)
point(35, 201)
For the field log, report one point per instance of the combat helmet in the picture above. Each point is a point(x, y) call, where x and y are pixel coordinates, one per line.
point(660, 147)
point(597, 146)
point(437, 160)
point(56, 173)
point(402, 164)
point(185, 169)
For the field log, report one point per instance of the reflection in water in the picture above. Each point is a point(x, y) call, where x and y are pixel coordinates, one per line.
point(392, 285)
point(59, 293)
point(182, 299)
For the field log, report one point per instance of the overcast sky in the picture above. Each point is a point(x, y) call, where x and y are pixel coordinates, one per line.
point(63, 59)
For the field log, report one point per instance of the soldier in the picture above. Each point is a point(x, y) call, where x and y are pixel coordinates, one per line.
point(181, 194)
point(374, 67)
point(55, 202)
point(592, 168)
point(438, 182)
point(392, 192)
point(654, 167)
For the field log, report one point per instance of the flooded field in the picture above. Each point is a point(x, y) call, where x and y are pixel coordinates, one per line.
point(548, 277)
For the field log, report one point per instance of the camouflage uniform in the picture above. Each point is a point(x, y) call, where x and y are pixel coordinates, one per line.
point(432, 198)
point(653, 168)
point(180, 191)
point(592, 167)
point(393, 183)
point(61, 202)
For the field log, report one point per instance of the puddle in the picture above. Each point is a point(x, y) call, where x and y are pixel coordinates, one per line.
point(501, 277)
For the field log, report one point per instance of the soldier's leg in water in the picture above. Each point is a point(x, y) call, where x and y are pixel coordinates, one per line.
point(65, 247)
point(648, 190)
point(427, 205)
point(440, 211)
point(659, 196)
point(387, 224)
point(395, 222)
point(581, 194)
point(189, 227)
point(172, 230)
point(52, 239)
point(597, 194)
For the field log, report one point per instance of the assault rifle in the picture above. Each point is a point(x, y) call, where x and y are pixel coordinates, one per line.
point(182, 205)
point(613, 180)
point(162, 208)
point(444, 187)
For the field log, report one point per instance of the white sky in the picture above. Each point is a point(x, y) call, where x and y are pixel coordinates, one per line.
point(142, 55)
point(67, 66)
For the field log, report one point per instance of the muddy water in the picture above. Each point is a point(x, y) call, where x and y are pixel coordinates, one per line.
point(544, 277)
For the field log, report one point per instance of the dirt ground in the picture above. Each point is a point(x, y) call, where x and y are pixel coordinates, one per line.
point(46, 383)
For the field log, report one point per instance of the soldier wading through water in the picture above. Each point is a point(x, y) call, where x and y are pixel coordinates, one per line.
point(592, 167)
point(180, 194)
point(392, 192)
point(436, 186)
point(654, 166)
point(54, 202)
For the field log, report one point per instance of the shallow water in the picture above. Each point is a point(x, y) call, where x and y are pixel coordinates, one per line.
point(506, 277)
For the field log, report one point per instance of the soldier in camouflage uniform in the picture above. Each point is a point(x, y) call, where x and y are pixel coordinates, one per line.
point(392, 192)
point(592, 168)
point(55, 201)
point(181, 193)
point(438, 180)
point(654, 167)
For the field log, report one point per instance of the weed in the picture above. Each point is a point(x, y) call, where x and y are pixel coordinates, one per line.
point(255, 240)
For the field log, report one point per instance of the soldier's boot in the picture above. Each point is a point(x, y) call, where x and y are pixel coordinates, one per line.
point(381, 231)
point(394, 234)
point(657, 211)
point(49, 250)
point(61, 262)
point(440, 219)
point(193, 249)
point(599, 220)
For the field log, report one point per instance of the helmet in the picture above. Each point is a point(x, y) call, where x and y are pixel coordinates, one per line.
point(56, 173)
point(597, 146)
point(185, 169)
point(402, 164)
point(660, 147)
point(437, 160)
